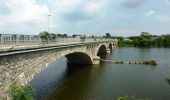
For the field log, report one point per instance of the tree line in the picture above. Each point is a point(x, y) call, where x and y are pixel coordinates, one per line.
point(145, 40)
point(52, 36)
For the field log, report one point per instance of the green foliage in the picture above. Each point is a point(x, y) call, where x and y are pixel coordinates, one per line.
point(125, 43)
point(131, 98)
point(122, 98)
point(22, 92)
point(74, 35)
point(52, 36)
point(146, 40)
point(167, 80)
point(44, 35)
point(108, 35)
point(62, 35)
point(82, 37)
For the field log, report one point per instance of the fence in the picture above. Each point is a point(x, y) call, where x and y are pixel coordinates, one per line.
point(8, 40)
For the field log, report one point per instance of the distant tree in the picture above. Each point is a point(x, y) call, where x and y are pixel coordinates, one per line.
point(108, 35)
point(14, 38)
point(159, 41)
point(62, 35)
point(166, 41)
point(74, 35)
point(83, 37)
point(120, 38)
point(143, 40)
point(53, 36)
point(45, 36)
point(92, 36)
point(65, 35)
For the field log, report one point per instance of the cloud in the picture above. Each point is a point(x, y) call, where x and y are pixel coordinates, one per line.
point(23, 11)
point(163, 17)
point(167, 1)
point(157, 16)
point(132, 3)
point(124, 16)
point(78, 10)
point(76, 16)
point(65, 5)
point(95, 6)
point(27, 14)
point(150, 13)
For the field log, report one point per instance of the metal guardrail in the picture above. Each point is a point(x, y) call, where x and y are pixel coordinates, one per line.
point(13, 40)
point(5, 53)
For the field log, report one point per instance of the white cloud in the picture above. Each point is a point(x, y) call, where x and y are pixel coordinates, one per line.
point(27, 14)
point(124, 16)
point(22, 11)
point(95, 6)
point(78, 10)
point(150, 13)
point(163, 17)
point(167, 1)
point(157, 16)
point(65, 5)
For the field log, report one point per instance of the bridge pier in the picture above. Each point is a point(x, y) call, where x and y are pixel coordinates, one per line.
point(96, 60)
point(108, 50)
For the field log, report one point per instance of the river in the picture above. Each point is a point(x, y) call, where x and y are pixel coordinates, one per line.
point(107, 81)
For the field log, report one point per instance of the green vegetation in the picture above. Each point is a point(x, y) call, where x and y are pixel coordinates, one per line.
point(25, 92)
point(167, 80)
point(62, 35)
point(131, 98)
point(46, 36)
point(108, 35)
point(82, 37)
point(145, 40)
point(147, 62)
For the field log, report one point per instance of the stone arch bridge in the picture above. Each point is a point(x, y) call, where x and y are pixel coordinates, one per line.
point(22, 65)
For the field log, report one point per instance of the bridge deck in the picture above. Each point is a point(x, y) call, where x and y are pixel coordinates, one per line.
point(41, 47)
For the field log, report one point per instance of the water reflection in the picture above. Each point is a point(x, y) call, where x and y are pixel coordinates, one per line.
point(107, 81)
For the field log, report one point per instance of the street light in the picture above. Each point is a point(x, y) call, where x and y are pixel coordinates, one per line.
point(49, 23)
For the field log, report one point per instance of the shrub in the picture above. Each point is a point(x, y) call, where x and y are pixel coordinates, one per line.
point(23, 92)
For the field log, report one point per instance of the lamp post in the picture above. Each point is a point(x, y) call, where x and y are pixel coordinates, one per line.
point(49, 23)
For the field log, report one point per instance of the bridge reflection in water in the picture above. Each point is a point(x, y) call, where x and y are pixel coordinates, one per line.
point(107, 81)
point(66, 81)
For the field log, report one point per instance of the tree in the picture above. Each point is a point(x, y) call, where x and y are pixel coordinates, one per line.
point(166, 40)
point(82, 37)
point(143, 40)
point(44, 36)
point(108, 35)
point(74, 35)
point(65, 35)
point(53, 36)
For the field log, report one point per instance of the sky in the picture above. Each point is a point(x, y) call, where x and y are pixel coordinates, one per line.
point(89, 17)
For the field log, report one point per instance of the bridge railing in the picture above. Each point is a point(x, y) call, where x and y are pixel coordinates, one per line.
point(10, 40)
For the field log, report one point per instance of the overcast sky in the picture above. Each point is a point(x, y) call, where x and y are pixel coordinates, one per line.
point(118, 17)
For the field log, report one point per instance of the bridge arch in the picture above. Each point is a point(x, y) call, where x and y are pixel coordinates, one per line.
point(79, 58)
point(102, 49)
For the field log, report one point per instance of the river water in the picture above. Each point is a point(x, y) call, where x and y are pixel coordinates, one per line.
point(107, 81)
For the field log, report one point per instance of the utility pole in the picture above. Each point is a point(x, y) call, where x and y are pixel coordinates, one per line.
point(49, 23)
